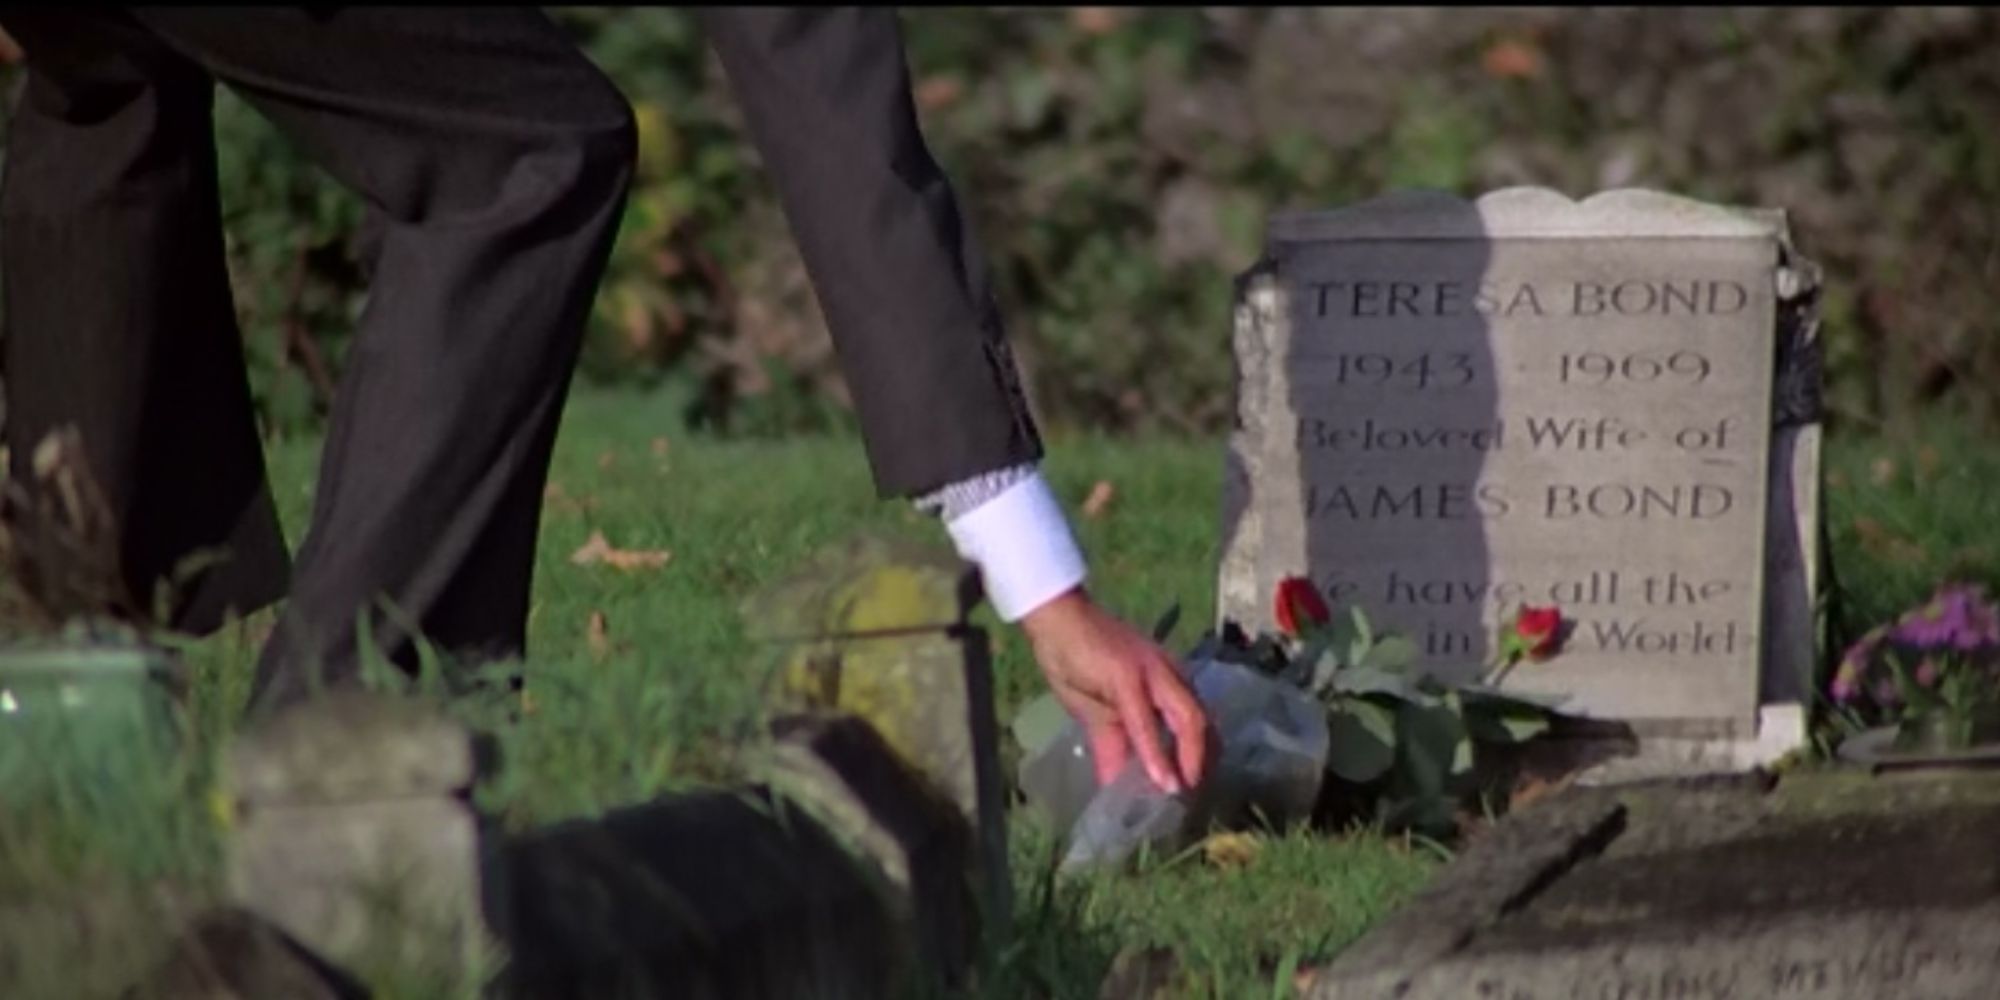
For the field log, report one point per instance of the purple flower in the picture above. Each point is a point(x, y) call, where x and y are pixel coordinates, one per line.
point(1957, 617)
point(1885, 693)
point(1845, 687)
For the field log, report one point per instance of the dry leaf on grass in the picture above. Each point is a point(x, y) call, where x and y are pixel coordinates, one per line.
point(1304, 979)
point(1883, 471)
point(606, 460)
point(597, 550)
point(1883, 542)
point(1513, 59)
point(559, 499)
point(1096, 20)
point(1533, 789)
point(659, 447)
point(934, 92)
point(1231, 850)
point(597, 635)
point(1099, 498)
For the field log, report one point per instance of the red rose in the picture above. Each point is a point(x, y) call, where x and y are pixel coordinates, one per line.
point(1539, 631)
point(1299, 606)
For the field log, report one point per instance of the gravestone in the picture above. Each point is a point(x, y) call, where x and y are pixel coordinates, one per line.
point(1448, 410)
point(1832, 886)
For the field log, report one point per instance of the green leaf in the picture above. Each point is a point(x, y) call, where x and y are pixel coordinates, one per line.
point(1391, 652)
point(1029, 96)
point(1304, 668)
point(1325, 677)
point(1429, 740)
point(1165, 626)
point(1485, 693)
point(1361, 739)
point(1038, 723)
point(1371, 680)
point(1494, 721)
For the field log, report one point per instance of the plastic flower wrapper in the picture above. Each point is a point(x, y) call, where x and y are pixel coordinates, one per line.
point(1272, 750)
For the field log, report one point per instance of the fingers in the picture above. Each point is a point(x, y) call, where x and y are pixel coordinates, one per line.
point(1184, 715)
point(1135, 710)
point(1107, 749)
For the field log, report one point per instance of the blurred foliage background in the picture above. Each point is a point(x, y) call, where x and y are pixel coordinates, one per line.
point(1118, 163)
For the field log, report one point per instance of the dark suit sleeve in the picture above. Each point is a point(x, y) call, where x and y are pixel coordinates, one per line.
point(899, 276)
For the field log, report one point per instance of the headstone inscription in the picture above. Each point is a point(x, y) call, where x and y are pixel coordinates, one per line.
point(1448, 410)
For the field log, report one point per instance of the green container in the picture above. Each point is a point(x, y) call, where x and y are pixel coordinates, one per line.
point(89, 713)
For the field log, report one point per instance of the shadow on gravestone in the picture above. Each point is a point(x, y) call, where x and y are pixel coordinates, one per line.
point(1366, 405)
point(231, 954)
point(707, 895)
point(877, 628)
point(844, 877)
point(840, 770)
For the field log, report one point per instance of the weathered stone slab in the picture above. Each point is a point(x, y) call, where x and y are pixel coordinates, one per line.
point(1828, 886)
point(350, 745)
point(1448, 409)
point(361, 881)
point(1498, 871)
point(713, 895)
point(876, 629)
point(351, 831)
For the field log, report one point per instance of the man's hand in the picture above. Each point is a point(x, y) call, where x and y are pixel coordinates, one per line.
point(1116, 682)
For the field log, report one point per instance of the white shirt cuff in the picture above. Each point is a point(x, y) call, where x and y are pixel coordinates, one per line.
point(1022, 544)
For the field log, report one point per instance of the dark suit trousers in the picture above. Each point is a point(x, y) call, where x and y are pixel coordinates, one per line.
point(496, 156)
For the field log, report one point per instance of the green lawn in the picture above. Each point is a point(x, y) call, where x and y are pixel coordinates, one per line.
point(660, 709)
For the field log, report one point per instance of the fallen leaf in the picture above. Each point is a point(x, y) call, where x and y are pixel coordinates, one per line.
point(1883, 471)
point(559, 499)
point(528, 705)
point(636, 321)
point(1304, 978)
point(1099, 498)
point(659, 447)
point(1533, 789)
point(1231, 850)
point(935, 92)
point(1885, 543)
point(598, 550)
point(1927, 460)
point(599, 635)
point(607, 460)
point(1512, 59)
point(1096, 20)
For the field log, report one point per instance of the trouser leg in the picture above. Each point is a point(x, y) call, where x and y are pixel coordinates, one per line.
point(118, 314)
point(499, 158)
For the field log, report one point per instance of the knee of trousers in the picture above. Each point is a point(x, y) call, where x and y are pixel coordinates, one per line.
point(605, 145)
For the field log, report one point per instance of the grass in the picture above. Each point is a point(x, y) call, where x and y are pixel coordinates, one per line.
point(653, 703)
